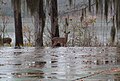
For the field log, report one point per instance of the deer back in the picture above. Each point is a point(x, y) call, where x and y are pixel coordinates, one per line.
point(59, 40)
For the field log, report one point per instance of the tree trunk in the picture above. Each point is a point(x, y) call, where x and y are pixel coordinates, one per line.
point(118, 22)
point(39, 25)
point(18, 23)
point(54, 18)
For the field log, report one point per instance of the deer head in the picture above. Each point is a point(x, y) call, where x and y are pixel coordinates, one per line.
point(60, 40)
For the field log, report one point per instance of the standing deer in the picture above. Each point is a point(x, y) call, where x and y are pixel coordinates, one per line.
point(60, 40)
point(6, 40)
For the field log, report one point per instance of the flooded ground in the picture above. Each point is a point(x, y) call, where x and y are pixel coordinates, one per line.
point(60, 64)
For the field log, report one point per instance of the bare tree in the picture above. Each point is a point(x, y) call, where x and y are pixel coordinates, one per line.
point(5, 21)
point(28, 34)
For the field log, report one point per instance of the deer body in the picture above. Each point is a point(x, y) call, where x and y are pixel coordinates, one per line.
point(5, 40)
point(60, 40)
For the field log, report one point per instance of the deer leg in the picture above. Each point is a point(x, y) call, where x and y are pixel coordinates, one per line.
point(62, 44)
point(54, 44)
point(10, 45)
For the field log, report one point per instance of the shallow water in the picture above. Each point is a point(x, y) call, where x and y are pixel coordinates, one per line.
point(60, 64)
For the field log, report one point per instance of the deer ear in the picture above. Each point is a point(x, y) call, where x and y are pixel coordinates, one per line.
point(64, 31)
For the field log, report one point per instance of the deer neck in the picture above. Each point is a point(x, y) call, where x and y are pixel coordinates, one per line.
point(0, 38)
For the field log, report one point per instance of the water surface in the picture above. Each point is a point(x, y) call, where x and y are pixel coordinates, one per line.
point(60, 64)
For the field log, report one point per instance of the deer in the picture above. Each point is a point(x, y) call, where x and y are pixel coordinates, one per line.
point(60, 40)
point(6, 40)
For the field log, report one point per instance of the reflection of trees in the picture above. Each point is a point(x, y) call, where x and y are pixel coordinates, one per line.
point(117, 76)
point(30, 71)
point(37, 74)
point(38, 64)
point(55, 65)
point(118, 79)
point(31, 67)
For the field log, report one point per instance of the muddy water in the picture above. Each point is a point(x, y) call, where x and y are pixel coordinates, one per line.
point(60, 64)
